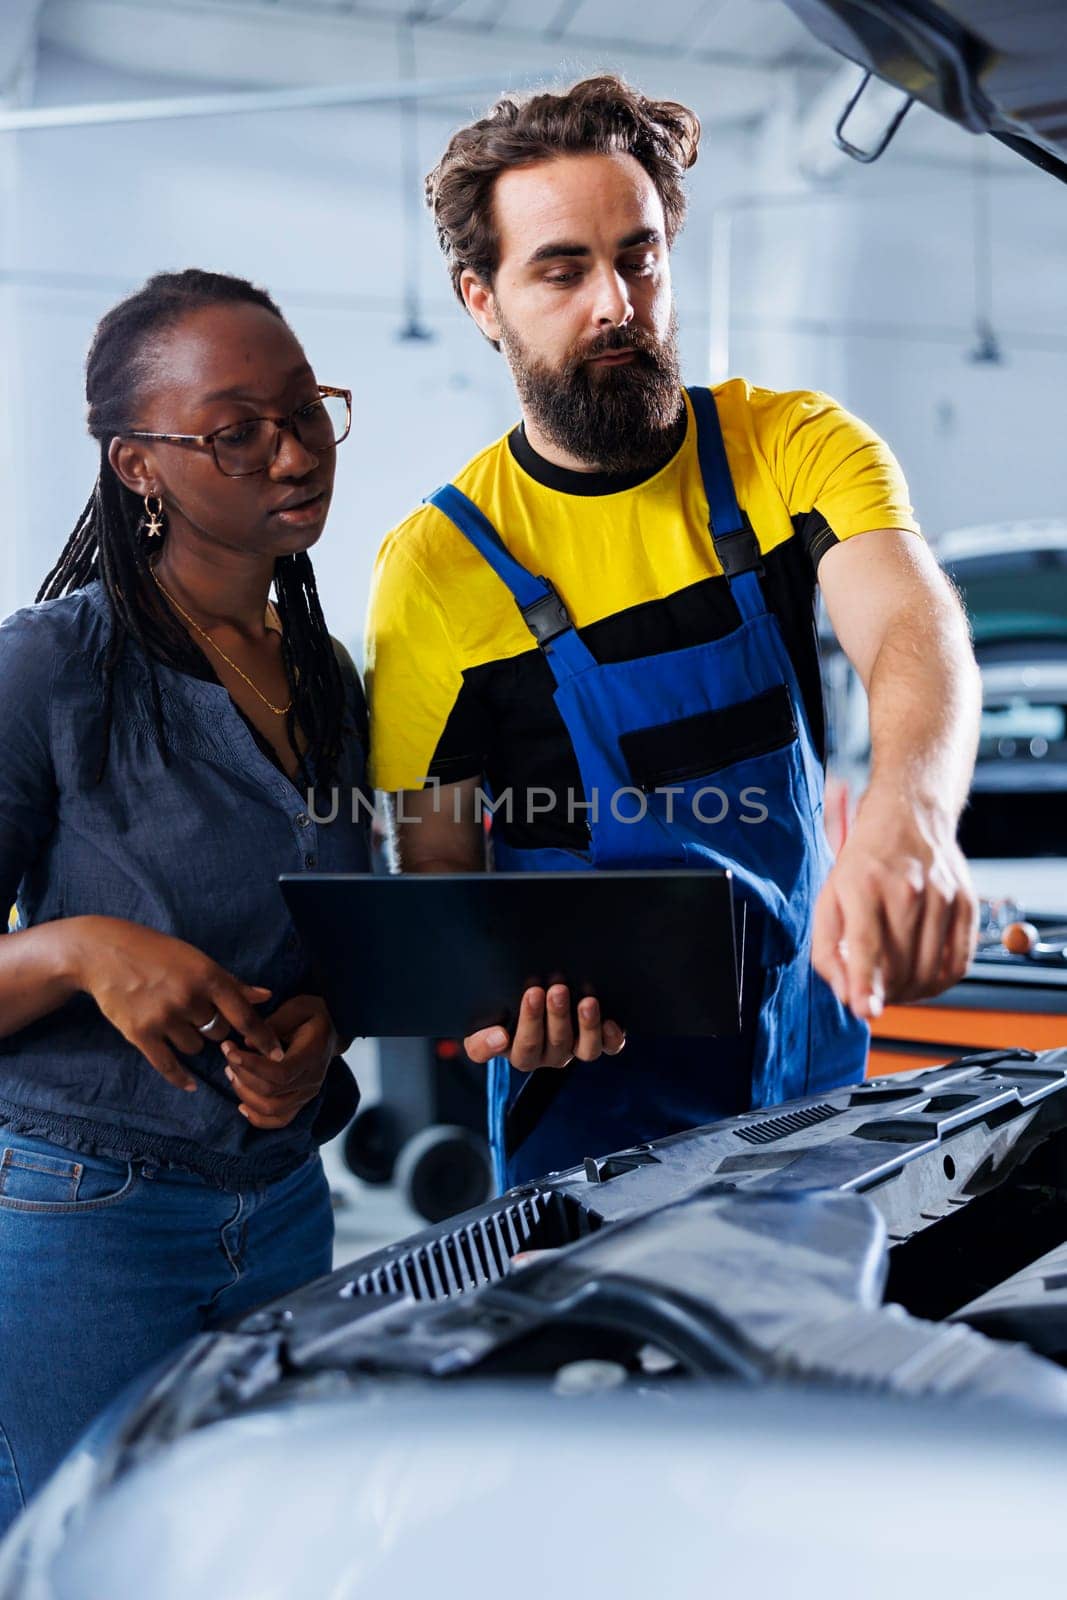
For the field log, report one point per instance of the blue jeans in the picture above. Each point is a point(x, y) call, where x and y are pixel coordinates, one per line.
point(108, 1266)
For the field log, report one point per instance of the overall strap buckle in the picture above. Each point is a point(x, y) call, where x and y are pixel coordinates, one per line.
point(739, 551)
point(547, 616)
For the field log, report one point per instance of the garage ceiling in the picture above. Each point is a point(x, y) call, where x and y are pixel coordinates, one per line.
point(667, 48)
point(754, 31)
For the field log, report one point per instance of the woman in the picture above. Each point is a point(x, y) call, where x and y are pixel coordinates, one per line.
point(167, 1070)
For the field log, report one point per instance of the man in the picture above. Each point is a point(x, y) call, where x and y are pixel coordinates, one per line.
point(617, 598)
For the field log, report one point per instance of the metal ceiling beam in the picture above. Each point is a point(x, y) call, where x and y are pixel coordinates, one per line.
point(437, 13)
point(563, 18)
point(706, 10)
point(493, 18)
point(18, 37)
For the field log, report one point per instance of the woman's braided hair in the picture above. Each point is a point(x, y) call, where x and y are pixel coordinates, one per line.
point(108, 542)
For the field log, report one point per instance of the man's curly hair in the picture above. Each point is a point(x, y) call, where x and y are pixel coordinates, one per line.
point(601, 116)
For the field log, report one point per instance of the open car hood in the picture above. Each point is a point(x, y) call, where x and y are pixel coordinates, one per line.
point(898, 1245)
point(993, 66)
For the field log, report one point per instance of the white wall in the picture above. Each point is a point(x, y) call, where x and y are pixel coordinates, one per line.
point(868, 292)
point(306, 204)
point(309, 203)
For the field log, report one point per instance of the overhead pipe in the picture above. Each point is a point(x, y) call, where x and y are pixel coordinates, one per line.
point(237, 103)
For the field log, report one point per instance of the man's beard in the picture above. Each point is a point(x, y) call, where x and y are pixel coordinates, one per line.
point(621, 418)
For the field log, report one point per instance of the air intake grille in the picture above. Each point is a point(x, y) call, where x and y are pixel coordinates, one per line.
point(468, 1257)
point(790, 1122)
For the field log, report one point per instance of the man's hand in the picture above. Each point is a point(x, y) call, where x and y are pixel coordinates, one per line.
point(272, 1092)
point(544, 1035)
point(443, 833)
point(896, 919)
point(897, 916)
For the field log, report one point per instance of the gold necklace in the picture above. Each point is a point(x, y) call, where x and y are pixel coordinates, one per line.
point(279, 711)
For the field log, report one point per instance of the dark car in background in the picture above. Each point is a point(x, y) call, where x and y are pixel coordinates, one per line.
point(1012, 578)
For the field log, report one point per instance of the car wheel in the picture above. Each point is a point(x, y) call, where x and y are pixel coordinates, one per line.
point(444, 1170)
point(372, 1144)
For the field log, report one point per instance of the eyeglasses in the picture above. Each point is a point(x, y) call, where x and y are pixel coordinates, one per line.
point(249, 446)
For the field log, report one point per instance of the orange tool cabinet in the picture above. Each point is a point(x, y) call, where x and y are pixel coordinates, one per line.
point(999, 1004)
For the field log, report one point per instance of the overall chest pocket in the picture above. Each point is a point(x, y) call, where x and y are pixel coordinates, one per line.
point(34, 1180)
point(728, 787)
point(710, 741)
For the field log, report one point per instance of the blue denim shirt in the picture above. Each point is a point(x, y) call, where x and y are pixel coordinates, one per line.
point(193, 849)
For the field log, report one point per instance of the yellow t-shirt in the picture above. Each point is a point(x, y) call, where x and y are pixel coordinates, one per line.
point(457, 685)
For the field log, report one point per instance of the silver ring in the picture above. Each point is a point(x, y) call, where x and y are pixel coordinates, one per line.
point(207, 1026)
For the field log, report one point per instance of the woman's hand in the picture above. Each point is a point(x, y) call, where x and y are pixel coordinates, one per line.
point(272, 1092)
point(159, 991)
point(544, 1035)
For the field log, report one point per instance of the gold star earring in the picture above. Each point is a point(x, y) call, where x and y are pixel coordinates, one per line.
point(152, 522)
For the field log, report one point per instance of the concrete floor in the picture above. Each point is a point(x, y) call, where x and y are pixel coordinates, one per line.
point(365, 1218)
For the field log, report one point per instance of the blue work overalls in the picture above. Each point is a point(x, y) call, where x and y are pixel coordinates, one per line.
point(710, 749)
